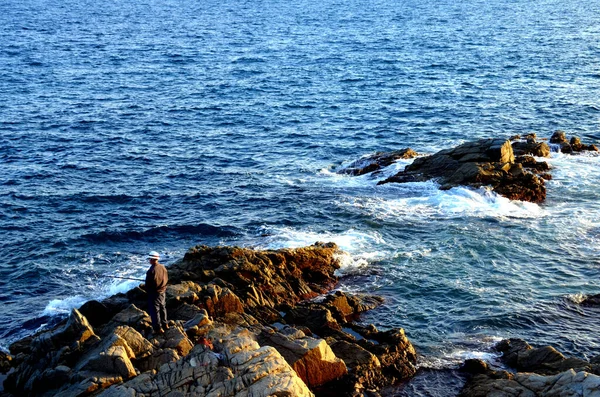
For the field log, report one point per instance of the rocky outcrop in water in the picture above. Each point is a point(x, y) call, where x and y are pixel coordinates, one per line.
point(377, 161)
point(486, 162)
point(592, 300)
point(240, 325)
point(509, 167)
point(572, 145)
point(539, 372)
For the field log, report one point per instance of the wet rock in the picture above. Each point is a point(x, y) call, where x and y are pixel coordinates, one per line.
point(568, 383)
point(474, 366)
point(544, 360)
point(559, 137)
point(377, 161)
point(572, 145)
point(5, 362)
point(593, 300)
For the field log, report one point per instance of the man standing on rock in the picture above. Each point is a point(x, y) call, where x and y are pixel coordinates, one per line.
point(156, 286)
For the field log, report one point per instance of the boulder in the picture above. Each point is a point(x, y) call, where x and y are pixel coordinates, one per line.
point(96, 312)
point(242, 369)
point(219, 301)
point(139, 346)
point(175, 338)
point(111, 356)
point(344, 307)
point(133, 317)
point(559, 137)
point(157, 359)
point(354, 355)
point(314, 316)
point(532, 148)
point(541, 372)
point(572, 145)
point(544, 360)
point(76, 331)
point(377, 161)
point(5, 362)
point(312, 359)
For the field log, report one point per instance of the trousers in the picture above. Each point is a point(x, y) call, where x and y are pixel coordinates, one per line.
point(157, 309)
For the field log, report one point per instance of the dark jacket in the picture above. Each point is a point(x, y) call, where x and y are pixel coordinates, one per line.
point(156, 279)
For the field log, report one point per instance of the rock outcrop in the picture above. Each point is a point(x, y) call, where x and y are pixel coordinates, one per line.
point(240, 325)
point(572, 145)
point(539, 372)
point(486, 162)
point(592, 300)
point(508, 166)
point(377, 161)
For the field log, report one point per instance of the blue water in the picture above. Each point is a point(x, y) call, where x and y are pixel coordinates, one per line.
point(131, 126)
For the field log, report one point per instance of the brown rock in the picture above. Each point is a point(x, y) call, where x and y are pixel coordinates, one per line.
point(260, 279)
point(311, 358)
point(131, 316)
point(175, 338)
point(486, 162)
point(76, 330)
point(559, 137)
point(537, 149)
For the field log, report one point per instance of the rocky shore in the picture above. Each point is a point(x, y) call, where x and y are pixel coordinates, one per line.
point(508, 166)
point(242, 323)
point(534, 372)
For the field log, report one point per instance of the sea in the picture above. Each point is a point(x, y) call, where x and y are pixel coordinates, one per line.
point(130, 126)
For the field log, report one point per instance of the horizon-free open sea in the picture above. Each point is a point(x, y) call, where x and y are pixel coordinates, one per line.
point(127, 127)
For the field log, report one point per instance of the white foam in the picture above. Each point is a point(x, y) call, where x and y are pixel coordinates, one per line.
point(359, 248)
point(286, 237)
point(573, 170)
point(576, 298)
point(425, 200)
point(63, 306)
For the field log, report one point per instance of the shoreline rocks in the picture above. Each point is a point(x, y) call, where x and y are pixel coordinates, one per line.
point(241, 323)
point(537, 372)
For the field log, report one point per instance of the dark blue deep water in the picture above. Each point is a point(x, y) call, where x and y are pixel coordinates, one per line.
point(160, 124)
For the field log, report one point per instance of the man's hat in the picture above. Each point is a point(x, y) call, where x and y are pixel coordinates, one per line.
point(154, 255)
